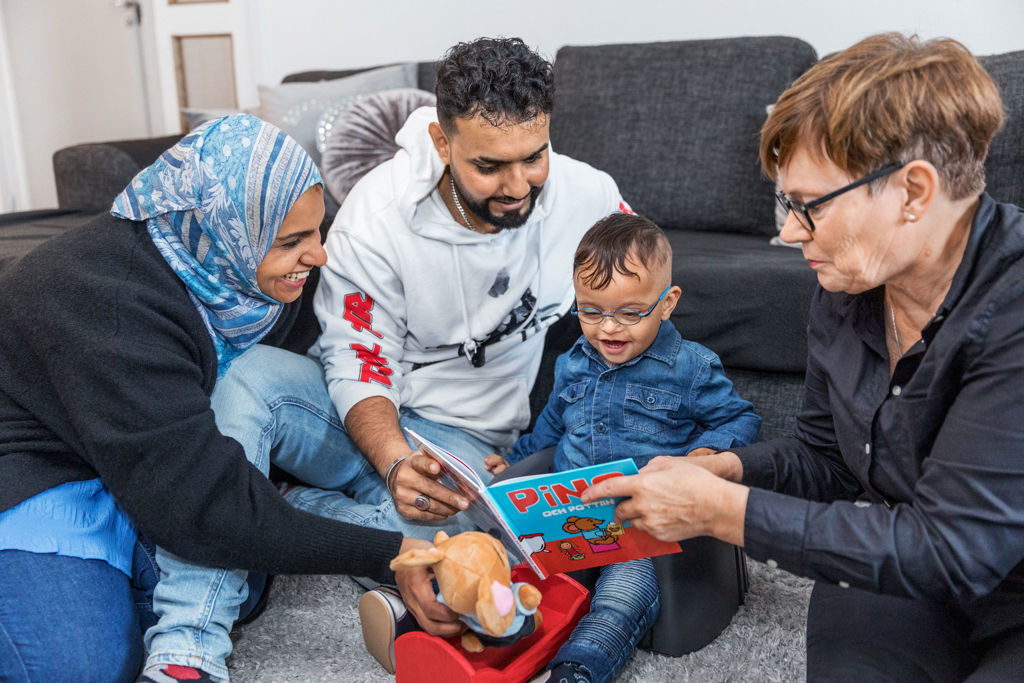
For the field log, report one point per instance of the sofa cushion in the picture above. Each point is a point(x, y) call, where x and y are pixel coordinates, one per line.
point(676, 124)
point(296, 107)
point(426, 75)
point(89, 176)
point(23, 231)
point(1004, 168)
point(363, 136)
point(743, 299)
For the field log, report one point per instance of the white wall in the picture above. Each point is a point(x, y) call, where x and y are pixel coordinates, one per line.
point(53, 76)
point(312, 34)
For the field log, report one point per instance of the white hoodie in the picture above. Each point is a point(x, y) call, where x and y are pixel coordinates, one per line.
point(409, 295)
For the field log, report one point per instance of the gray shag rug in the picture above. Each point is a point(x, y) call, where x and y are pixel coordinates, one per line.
point(310, 633)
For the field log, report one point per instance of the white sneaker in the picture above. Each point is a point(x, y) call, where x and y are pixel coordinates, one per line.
point(383, 617)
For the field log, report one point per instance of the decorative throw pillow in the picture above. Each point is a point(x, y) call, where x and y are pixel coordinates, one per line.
point(296, 108)
point(363, 135)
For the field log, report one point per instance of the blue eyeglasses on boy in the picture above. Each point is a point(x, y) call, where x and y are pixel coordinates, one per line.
point(623, 316)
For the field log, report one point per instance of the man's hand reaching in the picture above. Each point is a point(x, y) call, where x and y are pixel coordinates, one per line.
point(417, 493)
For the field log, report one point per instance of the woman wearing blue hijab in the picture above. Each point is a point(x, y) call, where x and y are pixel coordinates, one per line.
point(114, 337)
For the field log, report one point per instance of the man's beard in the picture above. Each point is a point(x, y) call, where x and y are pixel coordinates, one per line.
point(512, 219)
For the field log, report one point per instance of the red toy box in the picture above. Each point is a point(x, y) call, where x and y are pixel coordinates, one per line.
point(422, 658)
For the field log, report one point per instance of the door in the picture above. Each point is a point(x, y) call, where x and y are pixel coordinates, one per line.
point(76, 75)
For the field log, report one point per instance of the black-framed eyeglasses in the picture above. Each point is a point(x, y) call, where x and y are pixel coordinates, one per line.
point(623, 316)
point(802, 210)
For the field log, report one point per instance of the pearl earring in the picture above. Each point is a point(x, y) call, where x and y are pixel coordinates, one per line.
point(911, 217)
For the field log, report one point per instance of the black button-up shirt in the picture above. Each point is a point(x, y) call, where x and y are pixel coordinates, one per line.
point(911, 485)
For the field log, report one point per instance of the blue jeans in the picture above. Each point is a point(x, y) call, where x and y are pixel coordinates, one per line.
point(623, 606)
point(68, 619)
point(275, 404)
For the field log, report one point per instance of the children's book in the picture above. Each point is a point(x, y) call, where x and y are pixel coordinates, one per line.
point(541, 520)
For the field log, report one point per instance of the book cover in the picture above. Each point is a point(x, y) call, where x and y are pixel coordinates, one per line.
point(541, 520)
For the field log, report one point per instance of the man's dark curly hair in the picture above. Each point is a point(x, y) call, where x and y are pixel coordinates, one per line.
point(499, 78)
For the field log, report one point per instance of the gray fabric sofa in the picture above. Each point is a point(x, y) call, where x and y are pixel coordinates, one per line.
point(676, 124)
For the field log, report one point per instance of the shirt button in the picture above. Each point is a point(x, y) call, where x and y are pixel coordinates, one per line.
point(897, 390)
point(600, 428)
point(867, 449)
point(772, 563)
point(843, 584)
point(650, 399)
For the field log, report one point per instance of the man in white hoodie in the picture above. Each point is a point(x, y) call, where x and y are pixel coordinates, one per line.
point(446, 265)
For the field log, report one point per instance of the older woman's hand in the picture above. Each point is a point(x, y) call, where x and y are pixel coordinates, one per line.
point(674, 499)
point(420, 599)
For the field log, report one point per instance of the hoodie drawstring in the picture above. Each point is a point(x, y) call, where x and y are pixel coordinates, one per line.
point(469, 346)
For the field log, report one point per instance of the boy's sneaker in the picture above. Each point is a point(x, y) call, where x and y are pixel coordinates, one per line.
point(384, 617)
point(172, 673)
point(564, 672)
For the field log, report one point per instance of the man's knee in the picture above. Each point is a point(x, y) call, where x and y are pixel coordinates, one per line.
point(262, 369)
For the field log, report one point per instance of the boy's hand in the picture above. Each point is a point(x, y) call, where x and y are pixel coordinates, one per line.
point(495, 464)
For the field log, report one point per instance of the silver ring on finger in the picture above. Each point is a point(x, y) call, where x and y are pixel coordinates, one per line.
point(422, 503)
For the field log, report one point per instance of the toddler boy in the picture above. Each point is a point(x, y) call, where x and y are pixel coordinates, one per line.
point(630, 386)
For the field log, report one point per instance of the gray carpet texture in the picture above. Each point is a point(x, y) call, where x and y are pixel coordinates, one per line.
point(310, 633)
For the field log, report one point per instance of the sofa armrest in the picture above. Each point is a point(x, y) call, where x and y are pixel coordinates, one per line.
point(89, 176)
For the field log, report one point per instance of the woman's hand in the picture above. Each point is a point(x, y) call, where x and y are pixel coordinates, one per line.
point(415, 481)
point(674, 499)
point(418, 594)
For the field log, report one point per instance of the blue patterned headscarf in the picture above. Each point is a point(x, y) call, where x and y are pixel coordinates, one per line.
point(213, 204)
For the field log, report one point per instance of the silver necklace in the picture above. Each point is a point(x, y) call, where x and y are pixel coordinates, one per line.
point(458, 204)
point(895, 331)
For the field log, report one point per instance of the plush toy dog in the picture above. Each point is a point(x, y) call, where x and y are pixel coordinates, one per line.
point(474, 579)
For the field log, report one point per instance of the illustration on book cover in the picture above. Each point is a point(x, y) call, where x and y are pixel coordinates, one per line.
point(564, 534)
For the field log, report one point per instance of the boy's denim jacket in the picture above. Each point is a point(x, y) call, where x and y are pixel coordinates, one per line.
point(669, 400)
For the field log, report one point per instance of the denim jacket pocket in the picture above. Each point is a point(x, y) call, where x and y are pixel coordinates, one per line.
point(648, 409)
point(575, 413)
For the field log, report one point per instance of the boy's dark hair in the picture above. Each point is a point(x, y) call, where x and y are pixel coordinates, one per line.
point(499, 78)
point(606, 246)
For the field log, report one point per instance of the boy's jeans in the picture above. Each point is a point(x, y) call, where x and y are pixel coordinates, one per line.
point(623, 606)
point(275, 403)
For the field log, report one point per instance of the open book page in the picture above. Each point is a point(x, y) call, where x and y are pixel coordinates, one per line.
point(459, 476)
point(563, 533)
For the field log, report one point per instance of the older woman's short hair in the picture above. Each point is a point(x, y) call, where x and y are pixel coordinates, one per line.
point(890, 98)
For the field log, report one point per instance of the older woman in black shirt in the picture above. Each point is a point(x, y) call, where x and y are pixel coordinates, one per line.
point(901, 490)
